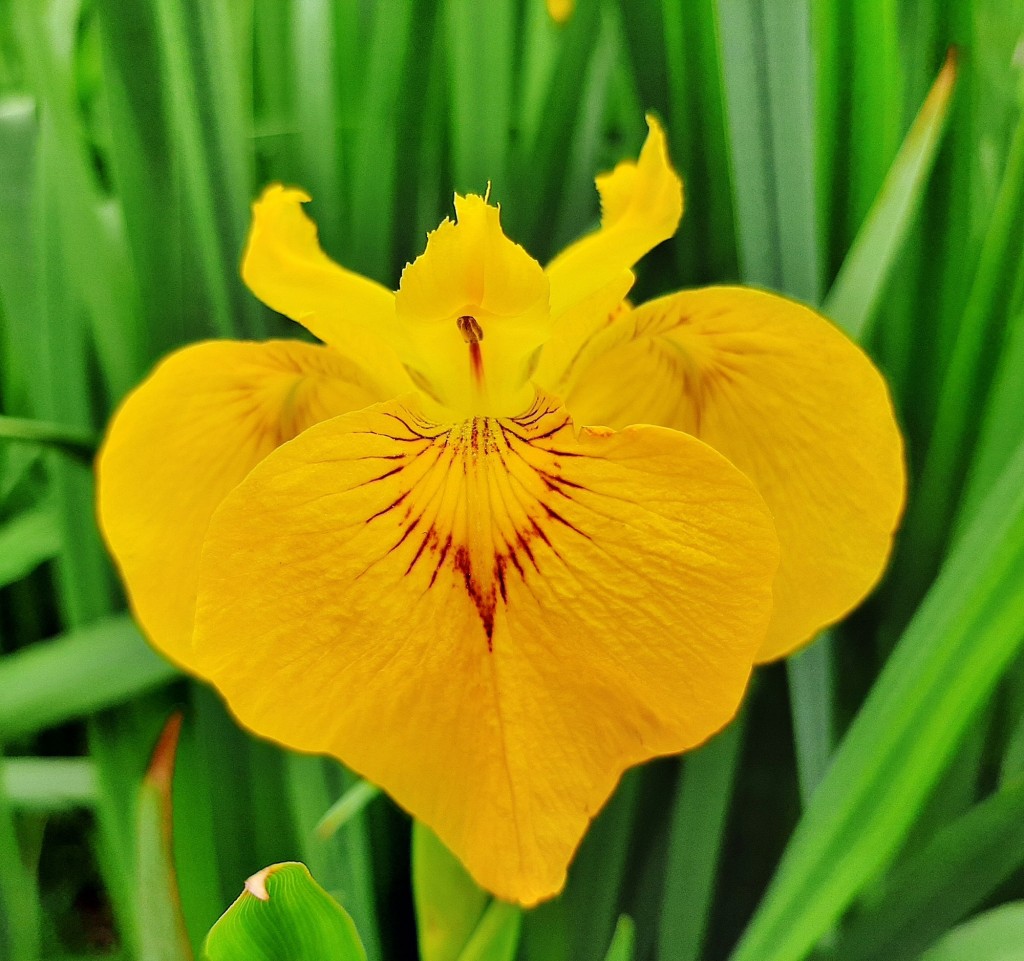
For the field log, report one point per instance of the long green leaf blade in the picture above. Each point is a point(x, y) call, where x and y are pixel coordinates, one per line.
point(953, 653)
point(997, 935)
point(954, 874)
point(854, 295)
point(77, 674)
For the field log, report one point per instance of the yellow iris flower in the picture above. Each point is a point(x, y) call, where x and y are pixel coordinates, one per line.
point(397, 549)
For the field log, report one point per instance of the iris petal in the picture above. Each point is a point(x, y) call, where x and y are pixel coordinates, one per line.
point(793, 403)
point(471, 271)
point(184, 438)
point(491, 619)
point(641, 205)
point(284, 266)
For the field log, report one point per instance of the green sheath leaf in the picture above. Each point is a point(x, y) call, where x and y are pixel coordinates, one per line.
point(284, 915)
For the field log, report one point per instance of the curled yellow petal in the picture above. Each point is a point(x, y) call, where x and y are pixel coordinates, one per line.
point(285, 267)
point(491, 619)
point(184, 438)
point(473, 309)
point(793, 403)
point(641, 205)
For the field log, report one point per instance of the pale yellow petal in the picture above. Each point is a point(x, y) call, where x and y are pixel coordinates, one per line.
point(793, 403)
point(490, 619)
point(641, 205)
point(184, 438)
point(285, 267)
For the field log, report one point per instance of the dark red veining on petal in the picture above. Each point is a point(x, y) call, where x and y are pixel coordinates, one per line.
point(522, 512)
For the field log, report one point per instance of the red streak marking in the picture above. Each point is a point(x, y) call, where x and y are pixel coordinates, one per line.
point(476, 361)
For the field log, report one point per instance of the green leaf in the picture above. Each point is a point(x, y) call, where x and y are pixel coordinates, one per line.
point(161, 928)
point(868, 265)
point(73, 440)
point(707, 779)
point(539, 160)
point(996, 935)
point(284, 915)
point(26, 541)
point(199, 73)
point(456, 919)
point(350, 804)
point(336, 845)
point(48, 783)
point(481, 45)
point(968, 376)
point(449, 903)
point(19, 904)
point(811, 692)
point(963, 638)
point(599, 873)
point(767, 66)
point(77, 674)
point(623, 941)
point(956, 872)
point(496, 937)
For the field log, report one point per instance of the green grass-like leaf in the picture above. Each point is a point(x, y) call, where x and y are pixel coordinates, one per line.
point(948, 661)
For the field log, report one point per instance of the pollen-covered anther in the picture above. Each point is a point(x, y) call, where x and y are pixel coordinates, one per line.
point(473, 333)
point(470, 329)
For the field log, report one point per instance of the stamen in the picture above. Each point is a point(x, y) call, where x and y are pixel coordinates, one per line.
point(473, 333)
point(470, 329)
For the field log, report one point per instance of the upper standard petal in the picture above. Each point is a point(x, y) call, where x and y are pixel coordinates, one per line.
point(473, 310)
point(284, 266)
point(641, 205)
point(492, 619)
point(793, 403)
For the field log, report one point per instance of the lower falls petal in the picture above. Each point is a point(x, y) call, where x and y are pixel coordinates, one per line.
point(490, 619)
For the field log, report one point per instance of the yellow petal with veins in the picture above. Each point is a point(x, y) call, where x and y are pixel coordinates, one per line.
point(184, 438)
point(793, 403)
point(641, 204)
point(284, 266)
point(472, 272)
point(491, 619)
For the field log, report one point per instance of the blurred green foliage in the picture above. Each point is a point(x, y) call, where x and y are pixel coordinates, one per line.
point(879, 771)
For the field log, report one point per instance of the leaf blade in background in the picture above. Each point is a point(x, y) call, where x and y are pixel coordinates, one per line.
point(481, 44)
point(949, 659)
point(623, 940)
point(496, 937)
point(48, 784)
point(161, 930)
point(954, 874)
point(284, 913)
point(77, 674)
point(19, 897)
point(996, 935)
point(707, 778)
point(868, 264)
point(342, 858)
point(449, 903)
point(27, 540)
point(767, 66)
point(953, 435)
point(76, 441)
